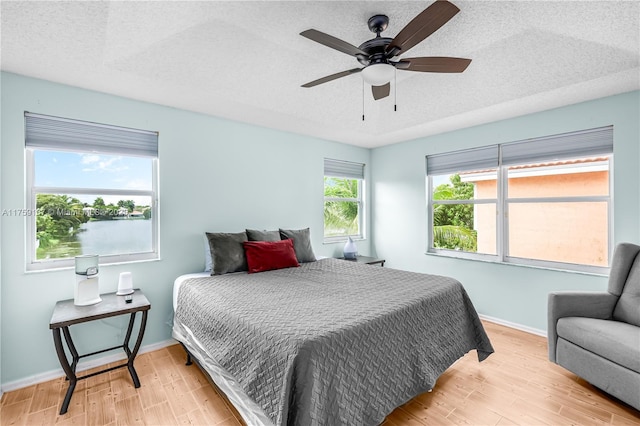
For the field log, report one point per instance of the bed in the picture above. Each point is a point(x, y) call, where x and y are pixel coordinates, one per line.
point(330, 342)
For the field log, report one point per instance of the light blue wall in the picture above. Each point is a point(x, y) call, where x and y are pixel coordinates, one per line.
point(219, 175)
point(510, 293)
point(215, 175)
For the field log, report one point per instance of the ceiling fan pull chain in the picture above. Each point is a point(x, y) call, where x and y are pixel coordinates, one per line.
point(362, 100)
point(395, 90)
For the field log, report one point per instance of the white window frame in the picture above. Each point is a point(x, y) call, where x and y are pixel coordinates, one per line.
point(33, 264)
point(465, 159)
point(346, 170)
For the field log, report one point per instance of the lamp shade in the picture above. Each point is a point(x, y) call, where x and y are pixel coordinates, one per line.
point(378, 74)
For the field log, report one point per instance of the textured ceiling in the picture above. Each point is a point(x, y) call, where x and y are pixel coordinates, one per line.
point(246, 60)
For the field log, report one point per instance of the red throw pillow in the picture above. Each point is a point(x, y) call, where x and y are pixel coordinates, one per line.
point(268, 255)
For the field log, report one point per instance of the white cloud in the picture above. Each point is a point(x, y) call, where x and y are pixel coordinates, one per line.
point(98, 164)
point(89, 158)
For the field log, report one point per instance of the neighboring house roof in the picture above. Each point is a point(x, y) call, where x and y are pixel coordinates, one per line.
point(582, 165)
point(560, 163)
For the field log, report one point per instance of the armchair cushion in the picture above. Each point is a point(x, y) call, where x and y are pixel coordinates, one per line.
point(614, 340)
point(575, 304)
point(628, 307)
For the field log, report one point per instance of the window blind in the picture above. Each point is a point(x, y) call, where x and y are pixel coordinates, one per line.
point(585, 143)
point(48, 132)
point(485, 157)
point(343, 169)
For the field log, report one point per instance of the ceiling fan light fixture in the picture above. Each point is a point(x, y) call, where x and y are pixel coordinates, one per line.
point(378, 74)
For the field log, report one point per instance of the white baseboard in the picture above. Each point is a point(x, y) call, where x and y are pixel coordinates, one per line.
point(517, 326)
point(82, 366)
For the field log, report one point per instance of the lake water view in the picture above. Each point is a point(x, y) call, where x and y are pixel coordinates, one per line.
point(105, 237)
point(116, 236)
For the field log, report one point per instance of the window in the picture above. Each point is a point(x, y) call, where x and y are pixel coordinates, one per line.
point(343, 206)
point(543, 201)
point(92, 189)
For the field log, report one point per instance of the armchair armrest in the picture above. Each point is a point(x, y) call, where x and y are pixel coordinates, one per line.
point(575, 304)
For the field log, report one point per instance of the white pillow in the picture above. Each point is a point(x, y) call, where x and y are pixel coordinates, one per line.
point(208, 261)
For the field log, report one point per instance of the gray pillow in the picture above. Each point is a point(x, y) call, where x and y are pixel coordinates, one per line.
point(256, 235)
point(227, 252)
point(301, 243)
point(208, 262)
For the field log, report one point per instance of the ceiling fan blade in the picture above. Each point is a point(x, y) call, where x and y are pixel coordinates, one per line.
point(422, 26)
point(332, 42)
point(332, 77)
point(434, 64)
point(380, 92)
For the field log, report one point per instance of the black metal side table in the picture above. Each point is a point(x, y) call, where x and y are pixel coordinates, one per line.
point(66, 314)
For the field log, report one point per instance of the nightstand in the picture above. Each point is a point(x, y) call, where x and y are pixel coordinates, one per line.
point(366, 259)
point(66, 314)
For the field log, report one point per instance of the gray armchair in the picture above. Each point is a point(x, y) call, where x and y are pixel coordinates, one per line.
point(596, 335)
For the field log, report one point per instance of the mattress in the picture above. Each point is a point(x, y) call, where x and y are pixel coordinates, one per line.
point(180, 280)
point(251, 413)
point(327, 343)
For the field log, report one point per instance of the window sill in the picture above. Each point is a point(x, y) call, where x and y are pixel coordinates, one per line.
point(66, 267)
point(343, 240)
point(604, 273)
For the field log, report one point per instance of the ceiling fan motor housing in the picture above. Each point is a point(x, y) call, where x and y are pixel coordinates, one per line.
point(375, 49)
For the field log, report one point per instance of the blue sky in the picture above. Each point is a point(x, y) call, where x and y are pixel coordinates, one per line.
point(91, 170)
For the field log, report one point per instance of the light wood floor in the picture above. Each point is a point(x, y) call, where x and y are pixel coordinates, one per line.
point(515, 385)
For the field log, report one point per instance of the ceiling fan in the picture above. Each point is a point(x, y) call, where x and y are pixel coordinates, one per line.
point(378, 53)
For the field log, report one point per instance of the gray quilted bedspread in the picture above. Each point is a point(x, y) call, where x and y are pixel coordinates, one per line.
point(332, 342)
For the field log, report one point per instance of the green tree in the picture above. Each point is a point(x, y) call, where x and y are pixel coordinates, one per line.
point(98, 203)
point(44, 225)
point(341, 217)
point(453, 223)
point(128, 204)
point(104, 211)
point(65, 215)
point(58, 220)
